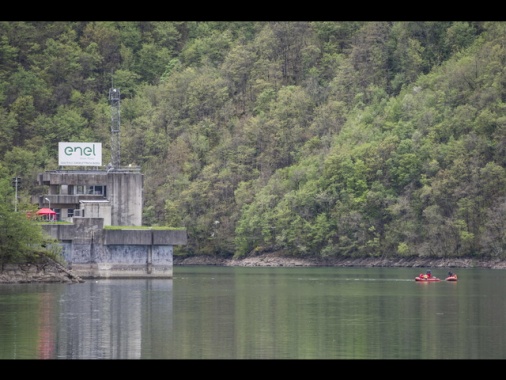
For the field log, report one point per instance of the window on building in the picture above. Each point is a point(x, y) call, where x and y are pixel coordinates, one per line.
point(96, 190)
point(70, 213)
point(92, 189)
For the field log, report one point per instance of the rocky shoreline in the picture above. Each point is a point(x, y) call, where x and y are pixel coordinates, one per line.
point(46, 272)
point(55, 272)
point(277, 260)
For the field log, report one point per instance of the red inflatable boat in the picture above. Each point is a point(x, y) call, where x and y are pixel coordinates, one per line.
point(427, 279)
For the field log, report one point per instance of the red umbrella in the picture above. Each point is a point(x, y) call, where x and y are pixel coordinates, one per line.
point(46, 212)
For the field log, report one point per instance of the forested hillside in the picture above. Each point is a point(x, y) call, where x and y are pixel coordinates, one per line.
point(310, 138)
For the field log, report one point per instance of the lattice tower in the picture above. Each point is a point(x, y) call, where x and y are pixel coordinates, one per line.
point(114, 98)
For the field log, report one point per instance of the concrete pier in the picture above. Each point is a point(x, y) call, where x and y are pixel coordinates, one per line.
point(94, 252)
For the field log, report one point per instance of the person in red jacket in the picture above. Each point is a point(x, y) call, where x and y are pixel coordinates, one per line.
point(427, 275)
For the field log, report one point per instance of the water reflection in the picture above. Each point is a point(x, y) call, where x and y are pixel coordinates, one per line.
point(105, 319)
point(46, 311)
point(110, 317)
point(259, 313)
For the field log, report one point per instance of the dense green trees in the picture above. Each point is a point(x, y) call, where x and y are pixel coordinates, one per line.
point(311, 138)
point(21, 239)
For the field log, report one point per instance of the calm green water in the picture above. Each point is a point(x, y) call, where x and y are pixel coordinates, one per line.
point(260, 313)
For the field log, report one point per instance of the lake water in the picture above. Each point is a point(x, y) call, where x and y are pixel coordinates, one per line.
point(260, 313)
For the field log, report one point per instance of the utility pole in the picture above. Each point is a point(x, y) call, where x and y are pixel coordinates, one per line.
point(15, 182)
point(114, 98)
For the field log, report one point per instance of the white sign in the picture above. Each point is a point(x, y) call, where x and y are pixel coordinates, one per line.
point(79, 154)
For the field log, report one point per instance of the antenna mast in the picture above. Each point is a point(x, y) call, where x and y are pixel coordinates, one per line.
point(114, 98)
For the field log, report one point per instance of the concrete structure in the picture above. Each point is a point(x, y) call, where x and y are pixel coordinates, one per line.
point(114, 195)
point(91, 200)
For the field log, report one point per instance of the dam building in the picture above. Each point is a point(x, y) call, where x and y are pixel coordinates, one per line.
point(92, 200)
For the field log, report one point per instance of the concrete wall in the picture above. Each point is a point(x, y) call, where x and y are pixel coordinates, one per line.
point(125, 192)
point(145, 237)
point(92, 252)
point(96, 210)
